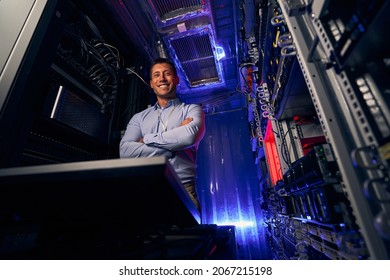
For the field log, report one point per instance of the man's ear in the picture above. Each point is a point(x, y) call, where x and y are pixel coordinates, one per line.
point(176, 80)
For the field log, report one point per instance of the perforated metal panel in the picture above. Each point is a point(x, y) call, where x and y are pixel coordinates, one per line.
point(168, 10)
point(82, 115)
point(195, 53)
point(187, 28)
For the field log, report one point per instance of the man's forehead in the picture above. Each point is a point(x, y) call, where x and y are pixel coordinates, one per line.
point(161, 67)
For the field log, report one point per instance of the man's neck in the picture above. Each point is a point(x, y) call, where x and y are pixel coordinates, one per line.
point(163, 102)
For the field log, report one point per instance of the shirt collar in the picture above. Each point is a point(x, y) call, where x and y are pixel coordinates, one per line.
point(171, 102)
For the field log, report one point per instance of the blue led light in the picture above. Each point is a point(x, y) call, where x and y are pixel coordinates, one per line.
point(220, 53)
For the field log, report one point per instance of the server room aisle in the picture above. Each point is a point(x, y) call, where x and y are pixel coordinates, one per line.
point(228, 183)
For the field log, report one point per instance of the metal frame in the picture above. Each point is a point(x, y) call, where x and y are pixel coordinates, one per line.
point(16, 33)
point(338, 124)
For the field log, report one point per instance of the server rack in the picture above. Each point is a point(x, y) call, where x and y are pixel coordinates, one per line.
point(62, 72)
point(346, 84)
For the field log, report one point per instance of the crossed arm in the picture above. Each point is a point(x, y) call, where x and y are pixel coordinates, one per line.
point(184, 122)
point(188, 133)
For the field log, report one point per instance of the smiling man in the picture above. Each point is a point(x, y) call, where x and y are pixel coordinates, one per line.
point(170, 128)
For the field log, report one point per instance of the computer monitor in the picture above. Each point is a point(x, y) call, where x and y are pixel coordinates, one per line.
point(142, 194)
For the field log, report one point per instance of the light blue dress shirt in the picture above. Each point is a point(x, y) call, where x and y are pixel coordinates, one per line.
point(163, 136)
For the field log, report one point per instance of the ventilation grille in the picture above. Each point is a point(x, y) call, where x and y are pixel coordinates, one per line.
point(195, 53)
point(169, 10)
point(192, 45)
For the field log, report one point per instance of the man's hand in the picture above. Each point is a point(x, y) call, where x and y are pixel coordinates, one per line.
point(186, 121)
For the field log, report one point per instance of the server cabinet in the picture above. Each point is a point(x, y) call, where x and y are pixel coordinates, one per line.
point(329, 197)
point(63, 69)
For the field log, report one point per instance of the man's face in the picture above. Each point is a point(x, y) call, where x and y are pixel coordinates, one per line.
point(163, 80)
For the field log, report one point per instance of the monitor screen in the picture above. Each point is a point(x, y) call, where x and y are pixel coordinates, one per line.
point(139, 194)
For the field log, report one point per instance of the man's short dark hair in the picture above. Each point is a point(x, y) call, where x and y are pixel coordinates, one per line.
point(163, 60)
